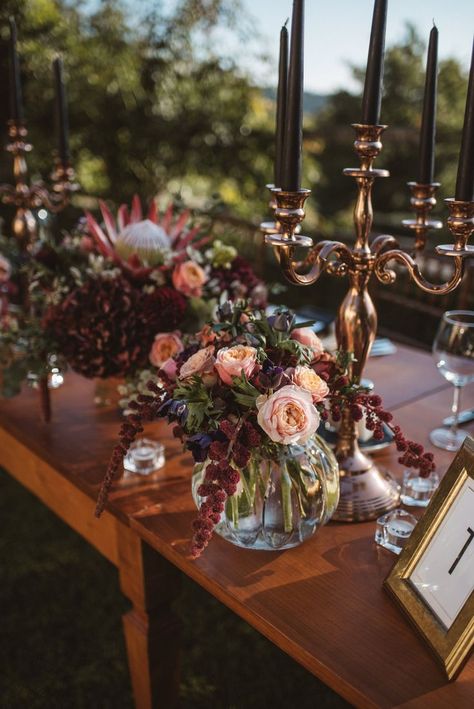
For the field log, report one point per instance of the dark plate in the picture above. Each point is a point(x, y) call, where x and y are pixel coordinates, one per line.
point(330, 437)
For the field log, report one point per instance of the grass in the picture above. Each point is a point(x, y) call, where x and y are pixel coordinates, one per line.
point(58, 648)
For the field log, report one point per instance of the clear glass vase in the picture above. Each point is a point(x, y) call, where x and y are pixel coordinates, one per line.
point(279, 503)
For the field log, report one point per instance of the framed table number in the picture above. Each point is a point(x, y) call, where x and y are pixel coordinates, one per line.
point(433, 579)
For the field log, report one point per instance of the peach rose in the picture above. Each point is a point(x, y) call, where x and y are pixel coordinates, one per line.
point(202, 362)
point(305, 336)
point(165, 346)
point(188, 278)
point(232, 361)
point(307, 379)
point(288, 416)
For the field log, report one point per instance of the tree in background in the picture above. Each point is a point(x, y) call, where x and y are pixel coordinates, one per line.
point(153, 105)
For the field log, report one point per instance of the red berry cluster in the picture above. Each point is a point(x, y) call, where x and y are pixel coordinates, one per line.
point(220, 481)
point(221, 477)
point(414, 455)
point(145, 409)
point(375, 414)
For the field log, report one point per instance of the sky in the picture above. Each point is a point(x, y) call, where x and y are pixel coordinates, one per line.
point(337, 33)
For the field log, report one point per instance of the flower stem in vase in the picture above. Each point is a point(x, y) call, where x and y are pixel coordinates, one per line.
point(286, 486)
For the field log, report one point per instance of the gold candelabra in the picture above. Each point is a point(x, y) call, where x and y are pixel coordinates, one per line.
point(26, 197)
point(366, 491)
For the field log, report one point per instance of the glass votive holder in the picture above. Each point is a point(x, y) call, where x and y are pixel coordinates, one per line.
point(393, 530)
point(144, 457)
point(418, 491)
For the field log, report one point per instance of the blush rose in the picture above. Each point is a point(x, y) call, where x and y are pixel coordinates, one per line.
point(232, 361)
point(201, 362)
point(165, 346)
point(305, 336)
point(288, 416)
point(307, 379)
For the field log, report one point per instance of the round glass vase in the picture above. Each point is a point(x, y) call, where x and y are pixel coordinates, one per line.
point(279, 503)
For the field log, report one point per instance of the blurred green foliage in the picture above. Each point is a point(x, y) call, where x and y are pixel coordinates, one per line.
point(153, 104)
point(157, 106)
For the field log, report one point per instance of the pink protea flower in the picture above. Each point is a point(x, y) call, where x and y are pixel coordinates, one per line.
point(139, 243)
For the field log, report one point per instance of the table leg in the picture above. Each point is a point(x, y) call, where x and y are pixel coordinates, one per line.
point(152, 630)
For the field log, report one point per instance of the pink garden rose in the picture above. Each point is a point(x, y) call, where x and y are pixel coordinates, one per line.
point(202, 362)
point(305, 336)
point(188, 278)
point(232, 361)
point(165, 346)
point(288, 416)
point(307, 379)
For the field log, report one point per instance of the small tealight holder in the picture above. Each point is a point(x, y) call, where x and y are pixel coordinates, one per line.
point(144, 457)
point(393, 530)
point(418, 491)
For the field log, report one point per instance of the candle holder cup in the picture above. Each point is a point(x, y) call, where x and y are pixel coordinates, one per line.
point(422, 200)
point(366, 490)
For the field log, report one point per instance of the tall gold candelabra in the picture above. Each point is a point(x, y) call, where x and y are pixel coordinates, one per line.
point(366, 491)
point(26, 197)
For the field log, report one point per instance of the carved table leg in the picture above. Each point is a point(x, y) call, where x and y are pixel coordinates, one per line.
point(152, 630)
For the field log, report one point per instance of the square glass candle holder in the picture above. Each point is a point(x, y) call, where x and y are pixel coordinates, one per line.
point(144, 457)
point(394, 529)
point(418, 491)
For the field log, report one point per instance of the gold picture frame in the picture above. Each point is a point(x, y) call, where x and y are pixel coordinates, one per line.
point(453, 642)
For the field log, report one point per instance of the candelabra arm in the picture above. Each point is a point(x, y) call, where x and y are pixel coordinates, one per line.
point(383, 242)
point(388, 276)
point(318, 261)
point(461, 225)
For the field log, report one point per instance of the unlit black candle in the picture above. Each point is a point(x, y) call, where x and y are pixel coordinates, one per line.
point(465, 178)
point(428, 121)
point(372, 99)
point(291, 169)
point(16, 102)
point(282, 97)
point(61, 111)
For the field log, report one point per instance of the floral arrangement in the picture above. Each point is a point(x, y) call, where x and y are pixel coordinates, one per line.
point(243, 388)
point(103, 294)
point(144, 277)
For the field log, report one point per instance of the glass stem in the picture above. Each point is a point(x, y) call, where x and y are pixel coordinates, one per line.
point(455, 410)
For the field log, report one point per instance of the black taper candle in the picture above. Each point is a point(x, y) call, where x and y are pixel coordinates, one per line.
point(291, 168)
point(61, 111)
point(372, 99)
point(465, 178)
point(428, 121)
point(16, 102)
point(282, 96)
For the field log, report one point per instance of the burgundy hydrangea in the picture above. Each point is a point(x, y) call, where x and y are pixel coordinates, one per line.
point(105, 327)
point(239, 280)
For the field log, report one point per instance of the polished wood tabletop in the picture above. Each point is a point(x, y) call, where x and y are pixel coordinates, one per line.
point(322, 602)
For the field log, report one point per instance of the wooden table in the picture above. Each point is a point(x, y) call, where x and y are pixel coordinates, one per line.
point(322, 603)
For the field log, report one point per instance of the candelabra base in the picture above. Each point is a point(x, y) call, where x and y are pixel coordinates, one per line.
point(366, 494)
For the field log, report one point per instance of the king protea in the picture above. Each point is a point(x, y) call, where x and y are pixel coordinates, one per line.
point(141, 244)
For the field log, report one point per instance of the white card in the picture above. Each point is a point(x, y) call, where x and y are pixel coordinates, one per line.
point(444, 576)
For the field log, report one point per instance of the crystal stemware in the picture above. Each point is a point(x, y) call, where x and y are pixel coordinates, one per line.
point(453, 350)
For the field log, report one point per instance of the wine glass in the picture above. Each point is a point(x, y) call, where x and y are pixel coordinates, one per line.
point(453, 350)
